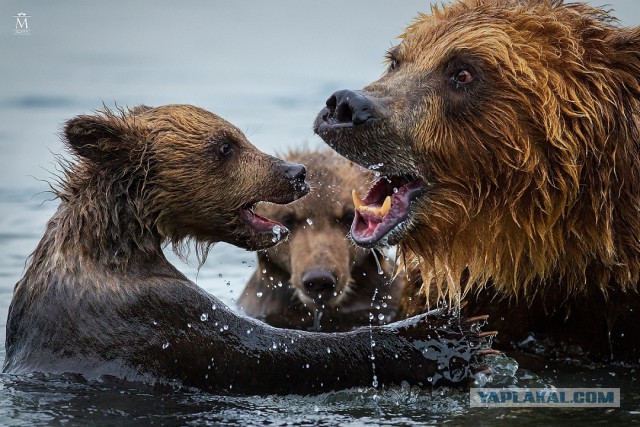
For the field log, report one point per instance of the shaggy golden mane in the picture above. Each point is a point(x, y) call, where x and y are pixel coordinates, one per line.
point(558, 199)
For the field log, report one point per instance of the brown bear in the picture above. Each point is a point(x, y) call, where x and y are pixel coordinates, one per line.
point(508, 134)
point(100, 299)
point(318, 279)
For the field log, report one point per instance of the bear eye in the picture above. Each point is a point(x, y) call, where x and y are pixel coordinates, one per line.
point(225, 148)
point(288, 220)
point(462, 77)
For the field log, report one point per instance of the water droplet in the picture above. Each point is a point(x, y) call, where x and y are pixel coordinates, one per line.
point(188, 325)
point(279, 284)
point(375, 256)
point(225, 327)
point(370, 316)
point(328, 350)
point(373, 343)
point(395, 190)
point(375, 381)
point(259, 294)
point(309, 221)
point(306, 366)
point(248, 331)
point(277, 231)
point(264, 270)
point(155, 323)
point(165, 345)
point(213, 307)
point(384, 304)
point(274, 346)
point(204, 317)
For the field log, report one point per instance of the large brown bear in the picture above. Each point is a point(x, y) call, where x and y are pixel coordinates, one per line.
point(508, 131)
point(318, 279)
point(99, 298)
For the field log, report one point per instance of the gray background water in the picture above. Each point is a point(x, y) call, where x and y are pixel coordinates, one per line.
point(265, 66)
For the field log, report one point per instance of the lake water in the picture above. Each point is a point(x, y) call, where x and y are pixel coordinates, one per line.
point(267, 67)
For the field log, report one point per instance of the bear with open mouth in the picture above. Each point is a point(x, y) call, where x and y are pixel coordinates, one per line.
point(507, 133)
point(318, 279)
point(100, 300)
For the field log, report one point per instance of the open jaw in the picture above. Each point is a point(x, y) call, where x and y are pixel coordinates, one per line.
point(262, 225)
point(382, 215)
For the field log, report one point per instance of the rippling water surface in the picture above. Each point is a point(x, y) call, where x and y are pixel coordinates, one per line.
point(267, 67)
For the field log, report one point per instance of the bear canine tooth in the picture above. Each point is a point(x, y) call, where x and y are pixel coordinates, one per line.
point(386, 206)
point(357, 201)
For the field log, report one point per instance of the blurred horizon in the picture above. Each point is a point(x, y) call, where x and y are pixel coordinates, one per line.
point(267, 67)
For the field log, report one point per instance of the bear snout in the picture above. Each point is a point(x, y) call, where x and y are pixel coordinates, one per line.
point(348, 107)
point(319, 284)
point(294, 175)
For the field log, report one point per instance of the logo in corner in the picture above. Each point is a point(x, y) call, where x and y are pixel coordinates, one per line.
point(22, 25)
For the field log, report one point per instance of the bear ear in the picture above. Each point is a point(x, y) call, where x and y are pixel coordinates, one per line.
point(139, 109)
point(101, 137)
point(625, 54)
point(625, 41)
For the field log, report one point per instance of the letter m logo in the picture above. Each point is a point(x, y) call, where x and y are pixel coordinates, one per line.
point(21, 21)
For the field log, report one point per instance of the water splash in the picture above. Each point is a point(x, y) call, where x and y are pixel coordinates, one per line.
point(277, 233)
point(375, 256)
point(372, 343)
point(317, 315)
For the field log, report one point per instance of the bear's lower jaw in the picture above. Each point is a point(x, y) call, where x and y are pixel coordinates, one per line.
point(383, 216)
point(263, 225)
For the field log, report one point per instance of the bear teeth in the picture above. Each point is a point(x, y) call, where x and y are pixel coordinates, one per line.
point(386, 206)
point(361, 207)
point(357, 201)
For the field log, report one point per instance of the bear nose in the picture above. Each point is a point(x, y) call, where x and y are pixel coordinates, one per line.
point(347, 106)
point(318, 282)
point(295, 171)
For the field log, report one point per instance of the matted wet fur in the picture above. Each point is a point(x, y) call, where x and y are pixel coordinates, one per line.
point(100, 299)
point(318, 279)
point(518, 120)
